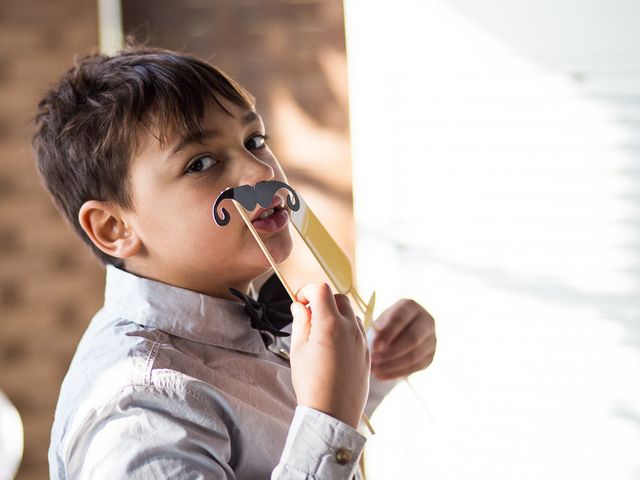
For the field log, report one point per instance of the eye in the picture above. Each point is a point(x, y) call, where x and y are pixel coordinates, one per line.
point(255, 142)
point(201, 164)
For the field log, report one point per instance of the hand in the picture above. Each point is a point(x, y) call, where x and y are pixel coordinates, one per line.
point(330, 362)
point(405, 340)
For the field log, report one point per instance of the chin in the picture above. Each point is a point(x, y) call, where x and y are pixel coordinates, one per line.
point(280, 247)
point(282, 252)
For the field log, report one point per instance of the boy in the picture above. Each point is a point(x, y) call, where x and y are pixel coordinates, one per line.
point(170, 380)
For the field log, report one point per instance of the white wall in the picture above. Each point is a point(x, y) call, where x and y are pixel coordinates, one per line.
point(497, 180)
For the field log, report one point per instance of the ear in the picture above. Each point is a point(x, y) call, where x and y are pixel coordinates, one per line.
point(103, 224)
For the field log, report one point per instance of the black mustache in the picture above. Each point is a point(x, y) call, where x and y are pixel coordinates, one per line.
point(261, 194)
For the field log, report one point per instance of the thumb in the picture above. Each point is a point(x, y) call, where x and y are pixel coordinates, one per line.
point(301, 325)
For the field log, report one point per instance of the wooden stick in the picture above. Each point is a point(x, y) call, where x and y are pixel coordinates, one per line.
point(366, 421)
point(255, 234)
point(263, 247)
point(419, 399)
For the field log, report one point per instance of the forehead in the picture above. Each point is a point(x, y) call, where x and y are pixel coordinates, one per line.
point(172, 132)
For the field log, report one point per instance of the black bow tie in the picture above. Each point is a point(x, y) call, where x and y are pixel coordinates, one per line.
point(272, 310)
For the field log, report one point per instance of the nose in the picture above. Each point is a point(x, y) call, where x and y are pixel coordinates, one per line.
point(254, 170)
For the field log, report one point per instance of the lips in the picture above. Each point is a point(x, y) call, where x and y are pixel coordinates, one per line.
point(276, 205)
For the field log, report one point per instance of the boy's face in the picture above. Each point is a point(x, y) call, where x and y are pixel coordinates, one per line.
point(174, 187)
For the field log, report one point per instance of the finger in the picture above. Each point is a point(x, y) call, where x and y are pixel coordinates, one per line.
point(395, 319)
point(346, 310)
point(301, 325)
point(344, 305)
point(415, 336)
point(361, 326)
point(395, 322)
point(404, 366)
point(403, 307)
point(319, 297)
point(410, 356)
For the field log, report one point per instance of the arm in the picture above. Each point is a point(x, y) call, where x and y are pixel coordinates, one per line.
point(319, 446)
point(149, 432)
point(316, 438)
point(152, 432)
point(330, 367)
point(403, 342)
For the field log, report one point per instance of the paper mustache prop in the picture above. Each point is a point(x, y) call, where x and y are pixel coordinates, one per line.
point(249, 197)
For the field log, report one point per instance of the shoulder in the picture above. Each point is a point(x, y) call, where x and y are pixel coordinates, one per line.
point(113, 352)
point(116, 355)
point(139, 431)
point(123, 379)
point(118, 361)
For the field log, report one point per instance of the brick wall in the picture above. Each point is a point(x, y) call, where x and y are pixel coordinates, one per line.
point(49, 284)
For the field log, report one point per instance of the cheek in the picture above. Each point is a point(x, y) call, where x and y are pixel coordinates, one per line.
point(174, 225)
point(202, 230)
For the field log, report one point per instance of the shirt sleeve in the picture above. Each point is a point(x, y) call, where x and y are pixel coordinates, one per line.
point(320, 447)
point(150, 433)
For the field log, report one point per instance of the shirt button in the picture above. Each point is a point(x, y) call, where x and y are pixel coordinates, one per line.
point(343, 456)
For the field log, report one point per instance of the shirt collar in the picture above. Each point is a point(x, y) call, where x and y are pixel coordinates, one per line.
point(180, 312)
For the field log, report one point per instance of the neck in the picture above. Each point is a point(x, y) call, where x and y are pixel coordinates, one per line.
point(206, 286)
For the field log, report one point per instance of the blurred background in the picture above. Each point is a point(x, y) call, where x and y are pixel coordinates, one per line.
point(482, 157)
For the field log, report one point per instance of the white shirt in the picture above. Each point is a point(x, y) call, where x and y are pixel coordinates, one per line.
point(171, 383)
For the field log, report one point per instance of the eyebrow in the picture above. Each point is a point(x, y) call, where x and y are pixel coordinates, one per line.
point(202, 135)
point(250, 117)
point(199, 137)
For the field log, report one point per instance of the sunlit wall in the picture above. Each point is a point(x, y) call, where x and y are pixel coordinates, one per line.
point(496, 180)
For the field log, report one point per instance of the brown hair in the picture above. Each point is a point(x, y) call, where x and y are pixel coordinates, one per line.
point(87, 124)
